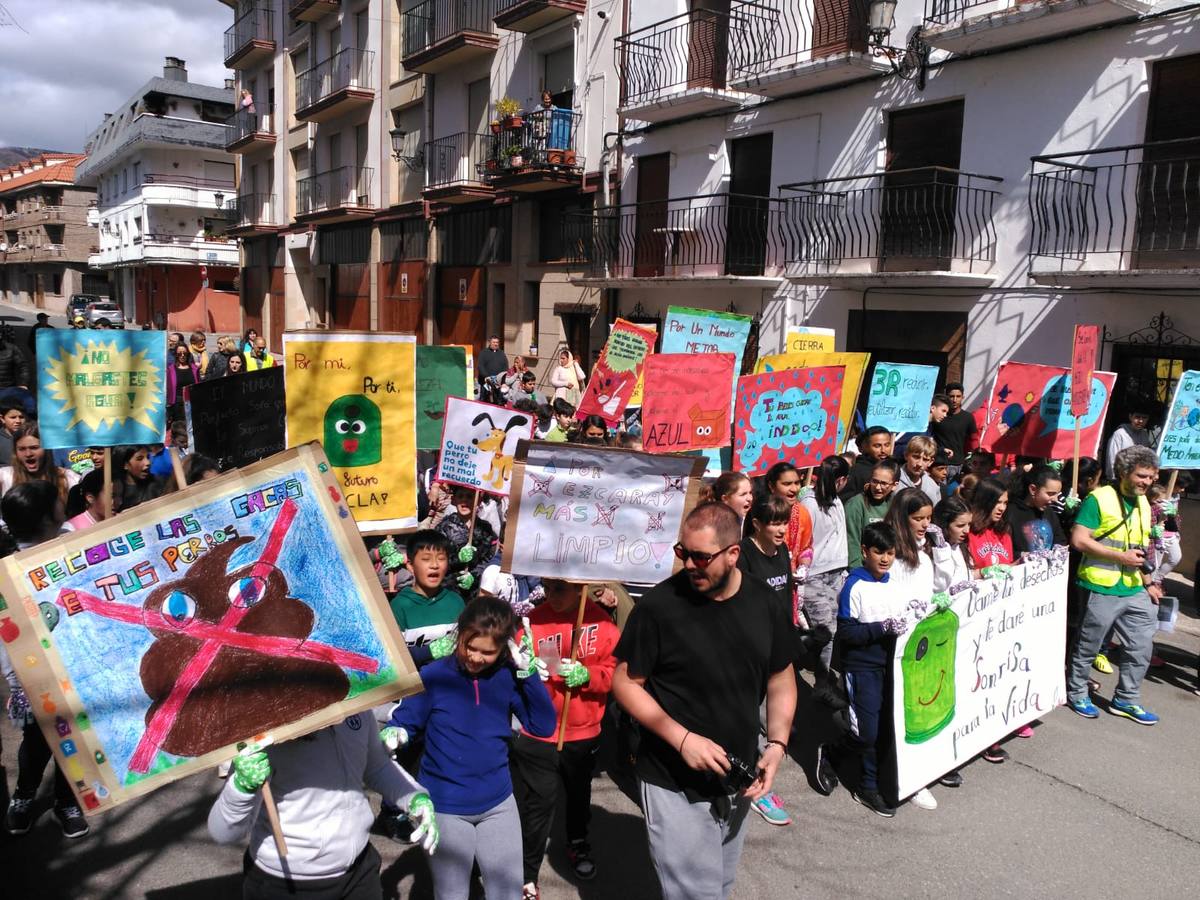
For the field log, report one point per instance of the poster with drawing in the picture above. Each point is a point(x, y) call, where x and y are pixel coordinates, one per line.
point(101, 388)
point(786, 416)
point(150, 644)
point(440, 374)
point(355, 392)
point(586, 513)
point(855, 365)
point(478, 444)
point(617, 371)
point(1179, 445)
point(685, 406)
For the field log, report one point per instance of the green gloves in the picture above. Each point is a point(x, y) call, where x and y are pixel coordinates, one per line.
point(426, 833)
point(941, 601)
point(250, 771)
point(391, 556)
point(465, 580)
point(466, 554)
point(443, 646)
point(393, 738)
point(523, 657)
point(574, 673)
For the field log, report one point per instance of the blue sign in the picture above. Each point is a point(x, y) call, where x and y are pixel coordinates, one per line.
point(1179, 446)
point(899, 396)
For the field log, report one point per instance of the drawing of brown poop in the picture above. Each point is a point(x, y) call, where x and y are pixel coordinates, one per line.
point(242, 692)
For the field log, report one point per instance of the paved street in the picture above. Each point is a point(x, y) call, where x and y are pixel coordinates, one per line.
point(1085, 809)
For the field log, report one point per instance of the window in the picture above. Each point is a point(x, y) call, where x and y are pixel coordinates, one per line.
point(558, 76)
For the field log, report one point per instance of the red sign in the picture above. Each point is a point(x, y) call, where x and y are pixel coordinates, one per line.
point(790, 415)
point(616, 372)
point(686, 401)
point(1083, 363)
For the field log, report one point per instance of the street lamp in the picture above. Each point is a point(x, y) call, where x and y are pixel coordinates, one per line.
point(908, 62)
point(413, 163)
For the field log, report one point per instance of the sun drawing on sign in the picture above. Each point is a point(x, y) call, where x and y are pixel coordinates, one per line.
point(100, 385)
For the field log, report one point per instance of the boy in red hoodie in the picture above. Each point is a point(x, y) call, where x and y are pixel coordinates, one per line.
point(535, 763)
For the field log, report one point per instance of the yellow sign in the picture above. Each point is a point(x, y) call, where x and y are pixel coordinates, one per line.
point(635, 399)
point(856, 369)
point(809, 340)
point(355, 392)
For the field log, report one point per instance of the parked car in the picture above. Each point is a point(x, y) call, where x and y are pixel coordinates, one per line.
point(106, 310)
point(79, 302)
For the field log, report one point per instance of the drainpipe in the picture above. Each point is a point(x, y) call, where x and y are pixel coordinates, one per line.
point(430, 263)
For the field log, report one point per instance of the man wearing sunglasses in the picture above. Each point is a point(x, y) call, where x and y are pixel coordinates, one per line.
point(692, 662)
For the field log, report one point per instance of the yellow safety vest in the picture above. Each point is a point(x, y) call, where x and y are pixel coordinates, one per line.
point(1120, 532)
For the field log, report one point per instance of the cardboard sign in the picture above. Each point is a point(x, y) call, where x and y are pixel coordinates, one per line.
point(899, 396)
point(239, 419)
point(150, 644)
point(596, 514)
point(617, 371)
point(790, 415)
point(355, 393)
point(101, 388)
point(478, 444)
point(1029, 412)
point(440, 374)
point(855, 365)
point(685, 406)
point(639, 390)
point(1179, 445)
point(802, 339)
point(1083, 363)
point(966, 678)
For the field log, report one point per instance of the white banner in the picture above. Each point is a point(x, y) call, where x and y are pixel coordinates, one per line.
point(478, 440)
point(968, 677)
point(597, 513)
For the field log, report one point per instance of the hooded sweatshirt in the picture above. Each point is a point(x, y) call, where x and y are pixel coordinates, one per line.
point(425, 619)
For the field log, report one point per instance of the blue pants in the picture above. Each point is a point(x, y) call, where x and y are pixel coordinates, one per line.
point(865, 690)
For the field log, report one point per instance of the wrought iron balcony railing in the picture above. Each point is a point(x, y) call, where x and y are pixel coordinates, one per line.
point(546, 138)
point(687, 51)
point(930, 218)
point(256, 24)
point(457, 159)
point(433, 21)
point(705, 236)
point(348, 68)
point(250, 210)
point(947, 12)
point(1117, 208)
point(341, 188)
point(766, 39)
point(244, 123)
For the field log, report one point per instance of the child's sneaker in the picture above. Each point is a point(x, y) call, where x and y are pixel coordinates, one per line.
point(1139, 714)
point(71, 819)
point(1102, 665)
point(1085, 707)
point(579, 854)
point(1025, 731)
point(874, 802)
point(770, 807)
point(20, 816)
point(923, 799)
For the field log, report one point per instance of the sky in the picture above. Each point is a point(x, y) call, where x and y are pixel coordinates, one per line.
point(64, 63)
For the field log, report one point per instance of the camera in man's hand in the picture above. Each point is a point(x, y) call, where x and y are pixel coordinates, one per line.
point(1148, 562)
point(740, 776)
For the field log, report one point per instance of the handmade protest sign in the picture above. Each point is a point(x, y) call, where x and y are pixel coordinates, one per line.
point(1029, 412)
point(1083, 363)
point(355, 392)
point(899, 396)
point(593, 514)
point(789, 415)
point(240, 419)
point(803, 339)
point(150, 644)
point(967, 677)
point(101, 388)
point(686, 406)
point(617, 371)
point(478, 443)
point(639, 390)
point(1179, 445)
point(855, 365)
point(440, 374)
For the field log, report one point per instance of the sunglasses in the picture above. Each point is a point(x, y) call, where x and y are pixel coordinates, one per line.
point(702, 560)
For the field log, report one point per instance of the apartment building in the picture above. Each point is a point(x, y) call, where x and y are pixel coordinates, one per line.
point(162, 176)
point(384, 185)
point(45, 241)
point(954, 182)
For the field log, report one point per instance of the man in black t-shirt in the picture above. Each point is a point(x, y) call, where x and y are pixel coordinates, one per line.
point(956, 432)
point(693, 662)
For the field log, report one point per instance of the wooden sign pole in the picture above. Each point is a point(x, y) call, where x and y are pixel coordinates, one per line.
point(562, 726)
point(273, 818)
point(177, 466)
point(108, 495)
point(1075, 466)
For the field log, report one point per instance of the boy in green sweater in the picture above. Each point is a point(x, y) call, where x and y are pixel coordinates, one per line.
point(426, 610)
point(869, 506)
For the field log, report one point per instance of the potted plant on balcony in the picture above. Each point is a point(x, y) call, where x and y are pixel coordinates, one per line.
point(508, 110)
point(516, 156)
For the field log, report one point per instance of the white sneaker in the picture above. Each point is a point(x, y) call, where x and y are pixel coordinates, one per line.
point(923, 799)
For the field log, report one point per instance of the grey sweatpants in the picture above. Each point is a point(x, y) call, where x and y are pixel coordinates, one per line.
point(821, 606)
point(1135, 620)
point(695, 846)
point(492, 838)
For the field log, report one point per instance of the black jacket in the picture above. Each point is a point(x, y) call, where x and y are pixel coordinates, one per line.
point(492, 362)
point(14, 367)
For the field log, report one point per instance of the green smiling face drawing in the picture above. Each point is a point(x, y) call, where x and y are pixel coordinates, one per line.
point(928, 669)
point(353, 432)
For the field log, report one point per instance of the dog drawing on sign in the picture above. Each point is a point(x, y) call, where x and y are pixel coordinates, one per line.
point(500, 469)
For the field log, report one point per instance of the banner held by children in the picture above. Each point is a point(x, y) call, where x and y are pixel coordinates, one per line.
point(478, 444)
point(899, 396)
point(440, 372)
point(686, 406)
point(101, 388)
point(1029, 412)
point(855, 365)
point(789, 416)
point(153, 643)
point(239, 420)
point(355, 392)
point(593, 514)
point(1179, 445)
point(617, 371)
point(969, 676)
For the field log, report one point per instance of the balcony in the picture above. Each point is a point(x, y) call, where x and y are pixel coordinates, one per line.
point(169, 189)
point(971, 26)
point(251, 38)
point(251, 214)
point(442, 34)
point(250, 131)
point(713, 240)
point(538, 155)
point(48, 215)
point(910, 227)
point(1117, 215)
point(530, 15)
point(335, 87)
point(311, 10)
point(805, 45)
point(456, 168)
point(166, 248)
point(336, 195)
point(677, 69)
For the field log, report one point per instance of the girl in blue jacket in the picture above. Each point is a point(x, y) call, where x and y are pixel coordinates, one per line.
point(466, 713)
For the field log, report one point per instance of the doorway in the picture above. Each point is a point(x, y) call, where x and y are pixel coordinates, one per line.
point(650, 227)
point(747, 219)
point(1149, 363)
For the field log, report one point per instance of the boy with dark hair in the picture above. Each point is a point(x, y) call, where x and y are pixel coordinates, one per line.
point(426, 610)
point(564, 421)
point(957, 432)
point(874, 445)
point(12, 417)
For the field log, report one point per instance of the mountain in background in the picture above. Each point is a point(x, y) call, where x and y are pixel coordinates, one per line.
point(12, 155)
